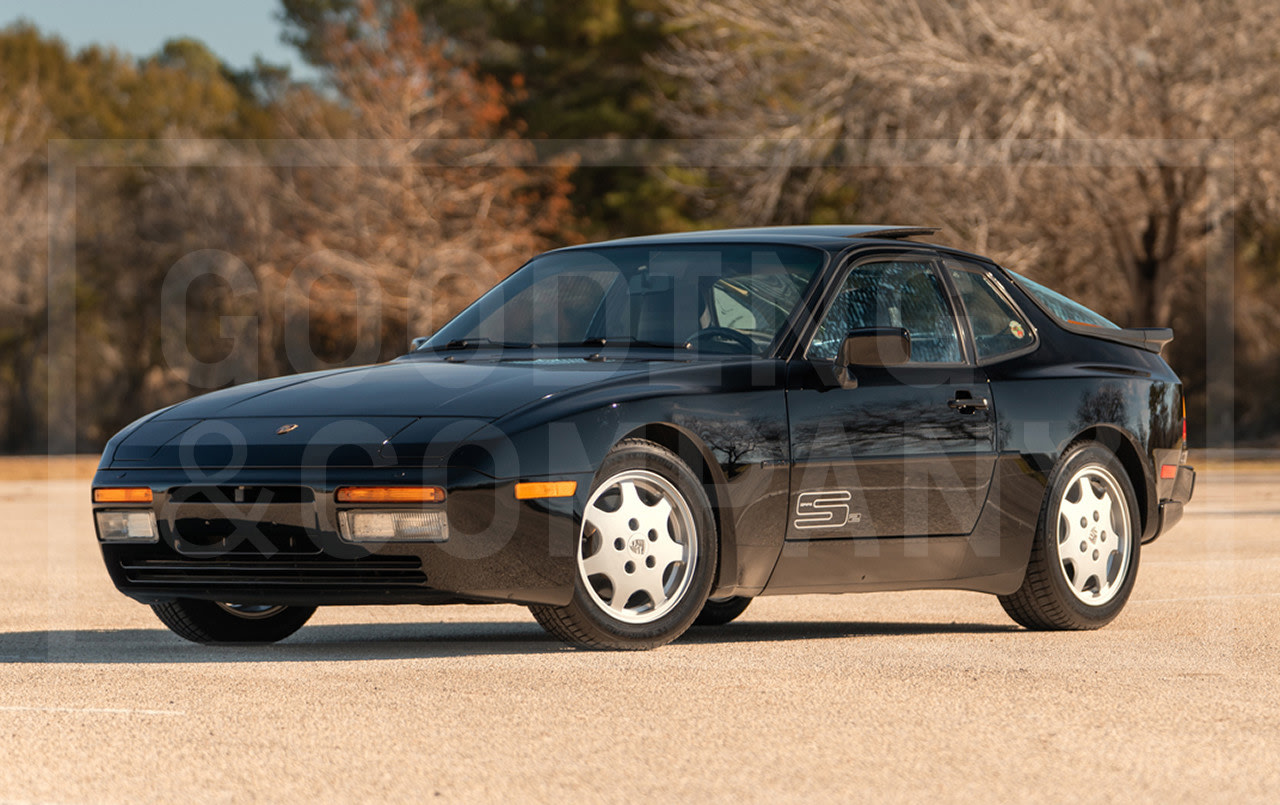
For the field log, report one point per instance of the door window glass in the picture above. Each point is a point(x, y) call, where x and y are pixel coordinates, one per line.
point(892, 294)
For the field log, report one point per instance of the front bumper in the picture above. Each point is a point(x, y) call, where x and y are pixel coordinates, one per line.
point(272, 537)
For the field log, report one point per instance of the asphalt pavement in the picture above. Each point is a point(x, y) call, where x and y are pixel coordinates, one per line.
point(926, 696)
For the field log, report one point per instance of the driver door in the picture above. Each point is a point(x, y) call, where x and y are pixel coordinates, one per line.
point(909, 451)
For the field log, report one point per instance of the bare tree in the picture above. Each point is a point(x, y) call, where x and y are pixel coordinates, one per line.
point(430, 203)
point(24, 294)
point(1064, 136)
point(201, 209)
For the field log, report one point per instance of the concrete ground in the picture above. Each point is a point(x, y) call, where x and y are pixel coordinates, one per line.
point(914, 696)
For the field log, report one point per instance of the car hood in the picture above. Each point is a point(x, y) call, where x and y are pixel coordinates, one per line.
point(350, 417)
point(483, 389)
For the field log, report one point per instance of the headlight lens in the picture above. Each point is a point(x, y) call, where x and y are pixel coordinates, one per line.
point(127, 526)
point(386, 526)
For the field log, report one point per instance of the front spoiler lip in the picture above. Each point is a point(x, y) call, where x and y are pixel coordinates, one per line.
point(265, 581)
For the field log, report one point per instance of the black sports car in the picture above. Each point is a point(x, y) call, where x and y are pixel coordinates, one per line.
point(636, 436)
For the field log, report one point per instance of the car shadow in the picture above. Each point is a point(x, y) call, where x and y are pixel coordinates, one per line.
point(399, 641)
point(747, 631)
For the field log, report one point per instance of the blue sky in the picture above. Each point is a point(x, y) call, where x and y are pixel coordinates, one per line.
point(233, 29)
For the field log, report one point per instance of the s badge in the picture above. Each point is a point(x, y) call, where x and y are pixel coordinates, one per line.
point(824, 509)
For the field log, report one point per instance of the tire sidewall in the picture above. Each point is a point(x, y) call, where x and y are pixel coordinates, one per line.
point(206, 622)
point(1076, 458)
point(719, 612)
point(658, 460)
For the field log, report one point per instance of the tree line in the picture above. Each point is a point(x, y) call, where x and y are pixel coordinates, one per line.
point(211, 225)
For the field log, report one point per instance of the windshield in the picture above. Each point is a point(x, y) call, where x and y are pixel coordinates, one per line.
point(732, 299)
point(1063, 308)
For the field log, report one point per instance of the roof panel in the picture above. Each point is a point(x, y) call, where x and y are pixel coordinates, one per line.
point(779, 234)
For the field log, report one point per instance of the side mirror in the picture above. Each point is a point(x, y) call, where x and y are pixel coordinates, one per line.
point(875, 346)
point(419, 341)
point(871, 346)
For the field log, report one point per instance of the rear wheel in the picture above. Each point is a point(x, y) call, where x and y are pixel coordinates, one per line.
point(1085, 556)
point(218, 622)
point(646, 553)
point(719, 611)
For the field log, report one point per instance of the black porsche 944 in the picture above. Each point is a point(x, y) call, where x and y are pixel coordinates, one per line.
point(637, 436)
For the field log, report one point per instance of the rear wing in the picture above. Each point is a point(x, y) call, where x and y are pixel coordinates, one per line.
point(1152, 339)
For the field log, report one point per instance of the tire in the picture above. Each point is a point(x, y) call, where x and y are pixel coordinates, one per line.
point(214, 622)
point(646, 554)
point(719, 611)
point(1084, 559)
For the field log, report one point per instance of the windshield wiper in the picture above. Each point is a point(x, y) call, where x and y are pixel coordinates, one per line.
point(471, 343)
point(626, 340)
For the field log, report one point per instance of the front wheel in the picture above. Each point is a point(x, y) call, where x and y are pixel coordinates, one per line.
point(646, 553)
point(1085, 556)
point(218, 622)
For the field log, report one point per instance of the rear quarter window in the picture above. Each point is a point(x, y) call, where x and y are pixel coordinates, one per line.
point(997, 327)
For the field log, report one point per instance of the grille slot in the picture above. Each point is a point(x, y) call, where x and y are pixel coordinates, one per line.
point(241, 494)
point(330, 574)
point(218, 536)
point(242, 520)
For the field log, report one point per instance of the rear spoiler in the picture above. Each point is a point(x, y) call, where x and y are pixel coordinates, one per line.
point(1152, 339)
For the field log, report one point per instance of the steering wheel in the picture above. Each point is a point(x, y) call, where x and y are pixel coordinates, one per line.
point(724, 334)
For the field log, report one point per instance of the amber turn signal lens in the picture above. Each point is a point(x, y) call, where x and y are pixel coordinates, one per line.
point(133, 494)
point(546, 489)
point(1168, 471)
point(390, 494)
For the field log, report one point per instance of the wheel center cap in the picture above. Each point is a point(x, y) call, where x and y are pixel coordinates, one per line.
point(637, 546)
point(1093, 534)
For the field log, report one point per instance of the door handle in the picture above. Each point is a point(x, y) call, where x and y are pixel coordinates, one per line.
point(968, 405)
